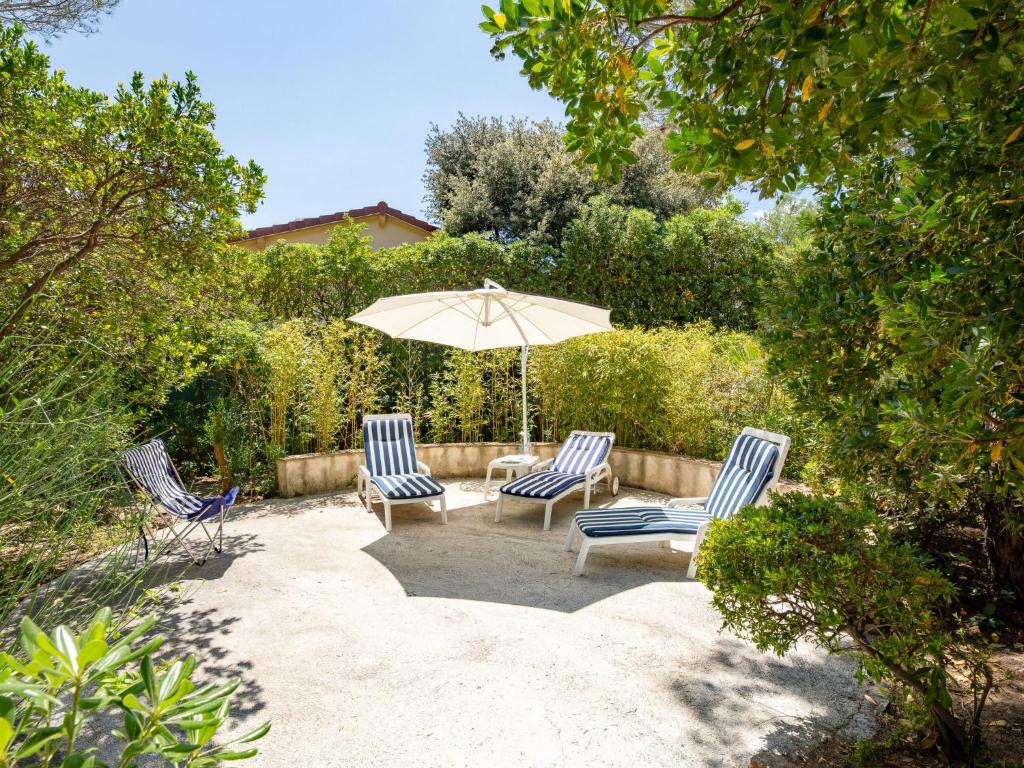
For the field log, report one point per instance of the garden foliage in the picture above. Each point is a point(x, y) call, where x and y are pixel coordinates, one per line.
point(515, 179)
point(815, 568)
point(61, 686)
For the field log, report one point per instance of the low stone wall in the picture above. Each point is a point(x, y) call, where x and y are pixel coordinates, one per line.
point(651, 470)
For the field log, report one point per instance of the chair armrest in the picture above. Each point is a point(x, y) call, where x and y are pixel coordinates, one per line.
point(364, 471)
point(423, 468)
point(541, 465)
point(691, 501)
point(595, 473)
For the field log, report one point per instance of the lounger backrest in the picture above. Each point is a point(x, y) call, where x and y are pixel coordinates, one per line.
point(583, 451)
point(753, 463)
point(389, 445)
point(150, 467)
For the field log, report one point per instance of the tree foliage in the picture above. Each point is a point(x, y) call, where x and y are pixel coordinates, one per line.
point(702, 265)
point(116, 190)
point(515, 179)
point(778, 93)
point(52, 17)
point(902, 327)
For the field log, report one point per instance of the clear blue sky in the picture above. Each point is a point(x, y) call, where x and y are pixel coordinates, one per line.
point(333, 99)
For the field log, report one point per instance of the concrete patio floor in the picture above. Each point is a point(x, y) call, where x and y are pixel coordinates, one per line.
point(472, 644)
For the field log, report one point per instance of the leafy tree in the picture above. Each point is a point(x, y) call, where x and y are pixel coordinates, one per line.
point(51, 17)
point(702, 265)
point(777, 93)
point(903, 328)
point(106, 188)
point(318, 281)
point(515, 179)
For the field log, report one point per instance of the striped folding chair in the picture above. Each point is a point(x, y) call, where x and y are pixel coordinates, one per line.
point(751, 469)
point(581, 463)
point(150, 469)
point(392, 473)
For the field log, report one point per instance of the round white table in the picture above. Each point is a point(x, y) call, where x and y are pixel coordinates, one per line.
point(517, 463)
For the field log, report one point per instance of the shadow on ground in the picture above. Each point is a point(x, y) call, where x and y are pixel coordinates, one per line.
point(515, 561)
point(738, 686)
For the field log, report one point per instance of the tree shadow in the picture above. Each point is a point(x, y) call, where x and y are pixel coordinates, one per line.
point(515, 561)
point(735, 683)
point(205, 634)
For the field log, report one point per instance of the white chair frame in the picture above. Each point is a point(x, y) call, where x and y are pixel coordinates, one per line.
point(367, 490)
point(697, 538)
point(602, 471)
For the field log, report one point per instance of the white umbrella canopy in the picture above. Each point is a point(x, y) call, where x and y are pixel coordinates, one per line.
point(485, 318)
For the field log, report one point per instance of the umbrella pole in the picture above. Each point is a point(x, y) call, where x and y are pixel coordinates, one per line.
point(525, 444)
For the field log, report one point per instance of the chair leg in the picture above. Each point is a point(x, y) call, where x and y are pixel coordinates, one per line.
point(497, 507)
point(581, 561)
point(444, 511)
point(572, 533)
point(586, 496)
point(691, 569)
point(366, 497)
point(387, 515)
point(547, 515)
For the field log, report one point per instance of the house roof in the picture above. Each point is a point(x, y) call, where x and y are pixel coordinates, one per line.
point(333, 218)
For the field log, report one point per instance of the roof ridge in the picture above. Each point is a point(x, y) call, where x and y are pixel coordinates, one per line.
point(332, 218)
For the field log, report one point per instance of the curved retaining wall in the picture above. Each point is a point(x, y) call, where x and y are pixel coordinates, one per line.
point(651, 470)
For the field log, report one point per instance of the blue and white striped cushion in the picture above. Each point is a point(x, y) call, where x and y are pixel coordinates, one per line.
point(637, 521)
point(746, 471)
point(389, 446)
point(543, 485)
point(581, 453)
point(151, 468)
point(407, 486)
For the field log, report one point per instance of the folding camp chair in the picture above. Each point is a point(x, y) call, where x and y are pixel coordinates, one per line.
point(150, 469)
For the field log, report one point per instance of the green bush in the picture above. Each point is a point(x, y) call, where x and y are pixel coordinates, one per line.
point(62, 681)
point(685, 390)
point(815, 568)
point(701, 265)
point(59, 484)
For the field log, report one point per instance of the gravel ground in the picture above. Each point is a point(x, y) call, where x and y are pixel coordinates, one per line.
point(472, 644)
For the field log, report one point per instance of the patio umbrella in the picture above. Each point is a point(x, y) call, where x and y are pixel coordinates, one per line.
point(485, 318)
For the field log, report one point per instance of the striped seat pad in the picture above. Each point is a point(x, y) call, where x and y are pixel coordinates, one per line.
point(151, 468)
point(581, 453)
point(745, 472)
point(390, 446)
point(543, 485)
point(637, 521)
point(407, 486)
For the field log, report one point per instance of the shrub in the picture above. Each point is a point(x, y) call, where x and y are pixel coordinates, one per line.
point(688, 390)
point(62, 681)
point(59, 421)
point(814, 568)
point(476, 396)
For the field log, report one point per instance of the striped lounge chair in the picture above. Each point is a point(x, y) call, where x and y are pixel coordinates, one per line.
point(150, 469)
point(392, 472)
point(581, 463)
point(751, 469)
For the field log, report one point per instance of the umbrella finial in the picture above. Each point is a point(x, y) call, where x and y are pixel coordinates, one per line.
point(488, 283)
